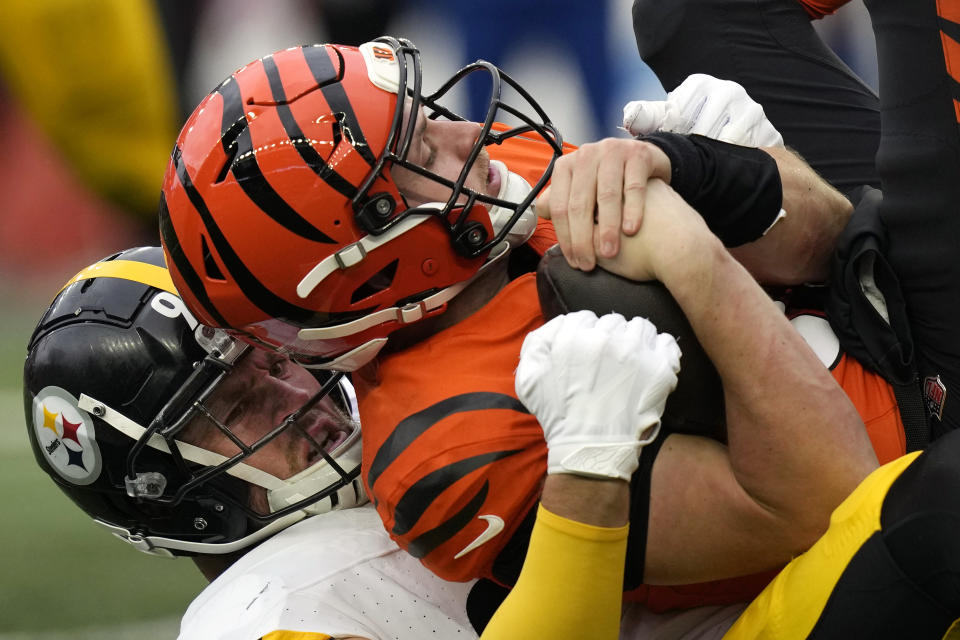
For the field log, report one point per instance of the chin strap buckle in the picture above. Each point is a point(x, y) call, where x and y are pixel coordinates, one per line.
point(150, 485)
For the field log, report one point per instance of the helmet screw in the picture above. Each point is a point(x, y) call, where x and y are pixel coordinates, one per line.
point(470, 239)
point(429, 266)
point(375, 211)
point(99, 410)
point(218, 508)
point(199, 524)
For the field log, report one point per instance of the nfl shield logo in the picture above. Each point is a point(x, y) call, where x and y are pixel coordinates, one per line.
point(934, 395)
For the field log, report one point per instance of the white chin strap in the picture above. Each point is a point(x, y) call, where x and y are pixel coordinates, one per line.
point(319, 476)
point(513, 188)
point(361, 355)
point(280, 492)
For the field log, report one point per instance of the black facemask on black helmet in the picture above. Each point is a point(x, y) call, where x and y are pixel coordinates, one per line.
point(116, 370)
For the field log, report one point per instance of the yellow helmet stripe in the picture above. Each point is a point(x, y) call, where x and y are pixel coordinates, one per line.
point(142, 272)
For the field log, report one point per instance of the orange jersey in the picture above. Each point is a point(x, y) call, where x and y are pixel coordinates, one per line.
point(453, 461)
point(877, 406)
point(449, 453)
point(527, 156)
point(819, 8)
point(408, 467)
point(869, 392)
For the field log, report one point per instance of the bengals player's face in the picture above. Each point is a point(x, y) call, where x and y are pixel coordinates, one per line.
point(443, 147)
point(260, 392)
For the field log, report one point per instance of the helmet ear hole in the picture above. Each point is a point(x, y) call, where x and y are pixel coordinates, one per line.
point(376, 283)
point(209, 264)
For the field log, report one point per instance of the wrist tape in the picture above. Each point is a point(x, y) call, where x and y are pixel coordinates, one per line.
point(737, 190)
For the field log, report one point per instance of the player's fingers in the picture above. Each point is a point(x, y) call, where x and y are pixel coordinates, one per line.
point(536, 344)
point(643, 332)
point(609, 197)
point(582, 205)
point(556, 201)
point(542, 204)
point(536, 357)
point(742, 129)
point(613, 325)
point(635, 176)
point(739, 131)
point(711, 117)
point(717, 130)
point(644, 116)
point(688, 105)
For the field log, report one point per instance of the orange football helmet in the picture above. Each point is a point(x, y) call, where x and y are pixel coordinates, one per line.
point(279, 216)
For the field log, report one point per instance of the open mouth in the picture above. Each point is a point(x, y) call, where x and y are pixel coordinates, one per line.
point(493, 180)
point(325, 434)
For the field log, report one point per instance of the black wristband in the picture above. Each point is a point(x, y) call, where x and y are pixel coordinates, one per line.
point(737, 190)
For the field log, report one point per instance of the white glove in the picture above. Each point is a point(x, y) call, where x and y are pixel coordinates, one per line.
point(598, 388)
point(708, 106)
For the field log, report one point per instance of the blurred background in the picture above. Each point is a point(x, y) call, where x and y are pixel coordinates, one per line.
point(92, 94)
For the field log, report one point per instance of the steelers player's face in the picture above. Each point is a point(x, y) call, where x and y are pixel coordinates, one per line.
point(261, 391)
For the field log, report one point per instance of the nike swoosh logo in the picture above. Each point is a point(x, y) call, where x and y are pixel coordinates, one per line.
point(494, 527)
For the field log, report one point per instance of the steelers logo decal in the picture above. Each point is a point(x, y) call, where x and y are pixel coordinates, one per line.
point(65, 433)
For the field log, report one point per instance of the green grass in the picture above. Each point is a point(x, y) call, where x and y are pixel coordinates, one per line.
point(141, 630)
point(63, 576)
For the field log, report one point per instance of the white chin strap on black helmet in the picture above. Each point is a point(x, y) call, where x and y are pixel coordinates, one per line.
point(332, 482)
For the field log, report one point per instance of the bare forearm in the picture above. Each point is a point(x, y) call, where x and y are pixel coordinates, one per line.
point(797, 248)
point(796, 445)
point(603, 503)
point(789, 424)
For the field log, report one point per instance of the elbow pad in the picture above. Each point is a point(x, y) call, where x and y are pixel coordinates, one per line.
point(737, 190)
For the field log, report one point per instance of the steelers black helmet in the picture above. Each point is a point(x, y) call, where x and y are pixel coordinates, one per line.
point(115, 369)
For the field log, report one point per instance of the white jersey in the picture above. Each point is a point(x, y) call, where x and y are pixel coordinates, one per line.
point(337, 574)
